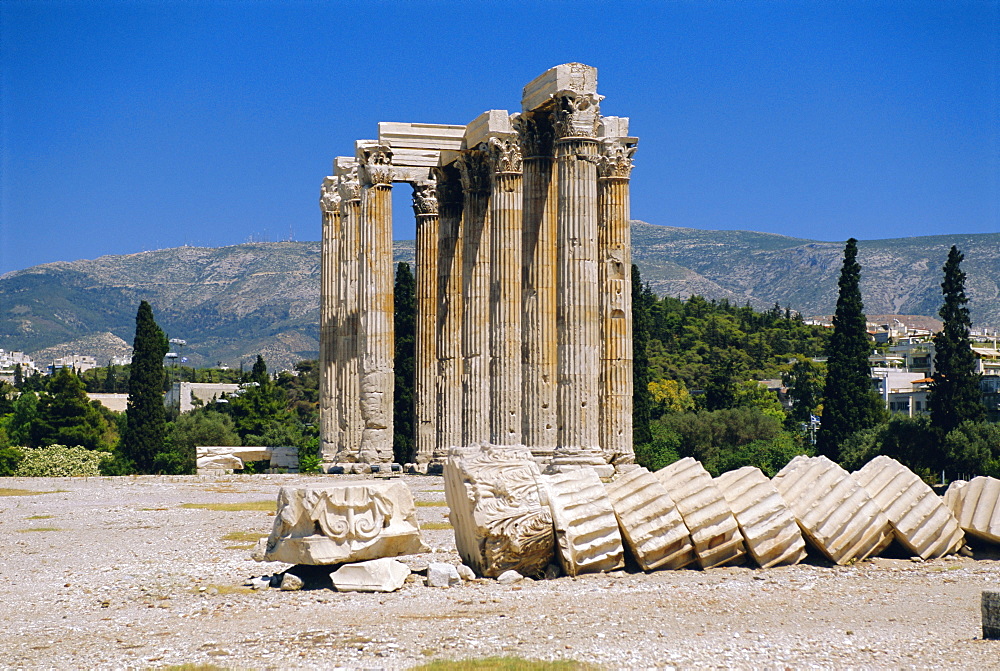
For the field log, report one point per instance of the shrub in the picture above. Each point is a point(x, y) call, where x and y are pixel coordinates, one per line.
point(10, 457)
point(661, 451)
point(60, 461)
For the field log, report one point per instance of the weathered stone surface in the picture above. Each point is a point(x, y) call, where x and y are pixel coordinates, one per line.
point(347, 522)
point(587, 536)
point(650, 522)
point(509, 577)
point(769, 529)
point(500, 513)
point(291, 583)
point(716, 536)
point(991, 614)
point(834, 512)
point(377, 575)
point(220, 461)
point(465, 573)
point(976, 506)
point(440, 574)
point(284, 457)
point(921, 521)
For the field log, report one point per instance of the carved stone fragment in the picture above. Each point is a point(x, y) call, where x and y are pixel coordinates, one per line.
point(919, 518)
point(377, 575)
point(716, 536)
point(650, 522)
point(834, 512)
point(769, 529)
point(347, 522)
point(500, 513)
point(587, 536)
point(976, 506)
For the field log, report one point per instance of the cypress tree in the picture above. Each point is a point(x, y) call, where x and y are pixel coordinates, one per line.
point(405, 324)
point(259, 371)
point(955, 395)
point(145, 416)
point(850, 402)
point(642, 305)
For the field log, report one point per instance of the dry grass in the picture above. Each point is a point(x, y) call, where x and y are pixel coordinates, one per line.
point(7, 491)
point(503, 664)
point(431, 504)
point(40, 517)
point(38, 529)
point(247, 506)
point(436, 526)
point(243, 540)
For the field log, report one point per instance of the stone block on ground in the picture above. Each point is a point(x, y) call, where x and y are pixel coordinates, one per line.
point(346, 522)
point(651, 525)
point(440, 574)
point(976, 506)
point(834, 512)
point(991, 614)
point(500, 514)
point(284, 457)
point(377, 575)
point(587, 535)
point(771, 535)
point(220, 461)
point(920, 520)
point(714, 532)
point(291, 582)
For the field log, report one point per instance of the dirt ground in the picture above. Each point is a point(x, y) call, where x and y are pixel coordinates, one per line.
point(125, 573)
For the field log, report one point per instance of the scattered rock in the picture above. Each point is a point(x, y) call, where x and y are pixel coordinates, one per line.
point(255, 583)
point(509, 577)
point(440, 574)
point(291, 583)
point(378, 575)
point(465, 573)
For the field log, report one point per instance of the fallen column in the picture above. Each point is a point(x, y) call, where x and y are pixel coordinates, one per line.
point(587, 536)
point(976, 506)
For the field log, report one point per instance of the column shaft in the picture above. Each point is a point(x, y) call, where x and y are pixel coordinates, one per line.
point(425, 208)
point(449, 315)
point(330, 316)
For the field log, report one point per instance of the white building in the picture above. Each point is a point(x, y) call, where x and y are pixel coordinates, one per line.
point(186, 395)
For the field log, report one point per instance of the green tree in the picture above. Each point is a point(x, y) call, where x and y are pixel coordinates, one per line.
point(405, 323)
point(66, 416)
point(709, 435)
point(146, 417)
point(805, 384)
point(642, 302)
point(259, 371)
point(973, 448)
point(850, 403)
point(201, 427)
point(18, 375)
point(955, 394)
point(24, 415)
point(8, 394)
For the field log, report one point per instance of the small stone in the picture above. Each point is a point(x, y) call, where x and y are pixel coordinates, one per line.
point(465, 573)
point(291, 583)
point(440, 574)
point(509, 577)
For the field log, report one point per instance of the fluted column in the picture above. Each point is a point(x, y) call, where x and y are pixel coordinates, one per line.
point(375, 302)
point(449, 314)
point(329, 320)
point(538, 291)
point(348, 333)
point(505, 290)
point(475, 176)
point(425, 209)
point(614, 270)
point(576, 151)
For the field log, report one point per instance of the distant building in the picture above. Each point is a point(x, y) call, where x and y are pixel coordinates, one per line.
point(116, 402)
point(78, 362)
point(188, 395)
point(10, 360)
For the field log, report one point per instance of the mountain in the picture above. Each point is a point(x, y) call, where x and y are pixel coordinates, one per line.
point(231, 303)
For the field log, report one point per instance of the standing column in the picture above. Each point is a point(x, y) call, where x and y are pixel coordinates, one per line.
point(475, 175)
point(375, 302)
point(576, 150)
point(615, 280)
point(505, 290)
point(449, 314)
point(425, 209)
point(329, 320)
point(348, 335)
point(538, 292)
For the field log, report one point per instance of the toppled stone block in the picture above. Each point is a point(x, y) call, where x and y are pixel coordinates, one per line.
point(650, 522)
point(440, 574)
point(377, 575)
point(920, 520)
point(347, 522)
point(714, 532)
point(769, 529)
point(220, 462)
point(587, 536)
point(834, 512)
point(976, 506)
point(991, 614)
point(500, 514)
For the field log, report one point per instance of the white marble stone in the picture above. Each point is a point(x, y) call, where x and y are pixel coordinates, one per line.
point(220, 461)
point(377, 575)
point(575, 77)
point(976, 506)
point(587, 536)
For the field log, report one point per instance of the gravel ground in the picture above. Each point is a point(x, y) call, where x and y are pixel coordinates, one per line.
point(116, 573)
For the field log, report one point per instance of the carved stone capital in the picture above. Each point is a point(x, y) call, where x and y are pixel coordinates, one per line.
point(615, 161)
point(425, 199)
point(504, 154)
point(376, 166)
point(329, 199)
point(576, 114)
point(474, 171)
point(449, 188)
point(534, 130)
point(349, 185)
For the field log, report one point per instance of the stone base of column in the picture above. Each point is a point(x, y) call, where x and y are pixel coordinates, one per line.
point(570, 459)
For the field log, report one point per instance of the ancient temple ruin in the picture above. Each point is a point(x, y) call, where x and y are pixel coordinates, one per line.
point(523, 271)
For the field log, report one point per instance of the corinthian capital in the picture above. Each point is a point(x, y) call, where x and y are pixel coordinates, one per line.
point(474, 171)
point(376, 163)
point(449, 187)
point(504, 154)
point(576, 114)
point(615, 161)
point(425, 200)
point(534, 130)
point(348, 184)
point(329, 199)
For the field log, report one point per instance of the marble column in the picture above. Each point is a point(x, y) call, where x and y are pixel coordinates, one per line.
point(329, 320)
point(425, 209)
point(449, 313)
point(575, 122)
point(538, 291)
point(614, 269)
point(375, 302)
point(505, 219)
point(348, 337)
point(475, 176)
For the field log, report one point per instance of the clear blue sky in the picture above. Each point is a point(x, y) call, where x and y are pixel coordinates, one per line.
point(129, 126)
